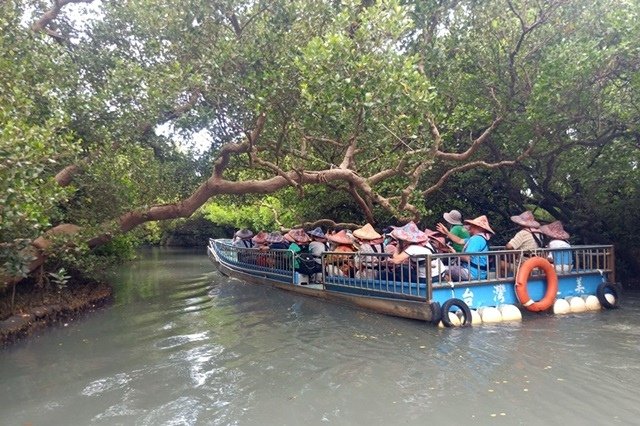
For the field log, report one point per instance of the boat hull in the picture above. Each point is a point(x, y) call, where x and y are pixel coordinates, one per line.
point(412, 309)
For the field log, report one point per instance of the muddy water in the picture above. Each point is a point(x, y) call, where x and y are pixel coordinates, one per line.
point(184, 345)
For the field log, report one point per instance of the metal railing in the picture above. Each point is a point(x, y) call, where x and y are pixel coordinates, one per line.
point(276, 264)
point(495, 266)
point(418, 276)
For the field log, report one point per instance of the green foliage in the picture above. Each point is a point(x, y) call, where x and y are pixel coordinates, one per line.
point(120, 248)
point(266, 213)
point(60, 278)
point(324, 73)
point(34, 140)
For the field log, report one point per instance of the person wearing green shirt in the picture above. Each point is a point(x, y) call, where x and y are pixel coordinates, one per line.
point(454, 218)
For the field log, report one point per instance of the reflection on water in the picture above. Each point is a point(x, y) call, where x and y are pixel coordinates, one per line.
point(185, 345)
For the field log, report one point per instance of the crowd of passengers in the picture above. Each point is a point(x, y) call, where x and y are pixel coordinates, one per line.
point(406, 247)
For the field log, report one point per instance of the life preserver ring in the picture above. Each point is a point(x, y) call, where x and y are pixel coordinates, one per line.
point(608, 288)
point(521, 284)
point(466, 312)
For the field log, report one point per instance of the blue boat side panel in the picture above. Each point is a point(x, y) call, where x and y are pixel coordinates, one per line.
point(495, 294)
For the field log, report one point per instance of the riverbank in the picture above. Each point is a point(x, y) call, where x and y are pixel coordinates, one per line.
point(36, 307)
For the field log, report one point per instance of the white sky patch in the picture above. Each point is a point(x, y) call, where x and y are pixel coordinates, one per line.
point(195, 142)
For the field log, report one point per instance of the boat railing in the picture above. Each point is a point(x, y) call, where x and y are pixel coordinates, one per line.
point(275, 264)
point(418, 276)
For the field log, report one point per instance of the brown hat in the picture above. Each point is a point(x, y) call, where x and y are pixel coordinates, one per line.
point(260, 237)
point(435, 236)
point(454, 217)
point(554, 230)
point(480, 222)
point(340, 238)
point(366, 233)
point(274, 237)
point(526, 220)
point(298, 236)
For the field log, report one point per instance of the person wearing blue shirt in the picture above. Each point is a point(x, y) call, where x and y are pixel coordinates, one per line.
point(472, 266)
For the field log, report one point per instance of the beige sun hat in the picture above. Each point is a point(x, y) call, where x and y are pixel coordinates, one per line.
point(366, 233)
point(554, 230)
point(454, 217)
point(260, 237)
point(297, 235)
point(480, 222)
point(340, 238)
point(244, 234)
point(526, 220)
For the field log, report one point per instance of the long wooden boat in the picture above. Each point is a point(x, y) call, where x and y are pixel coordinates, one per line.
point(510, 279)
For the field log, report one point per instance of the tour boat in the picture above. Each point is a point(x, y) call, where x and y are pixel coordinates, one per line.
point(511, 281)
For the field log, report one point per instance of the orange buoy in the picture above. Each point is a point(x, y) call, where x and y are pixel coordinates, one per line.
point(521, 284)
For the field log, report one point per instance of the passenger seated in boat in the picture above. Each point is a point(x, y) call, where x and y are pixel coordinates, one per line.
point(413, 242)
point(299, 243)
point(260, 239)
point(317, 246)
point(340, 265)
point(242, 238)
point(370, 242)
point(471, 267)
point(558, 239)
point(439, 241)
point(276, 241)
point(527, 240)
point(259, 242)
point(277, 260)
point(454, 218)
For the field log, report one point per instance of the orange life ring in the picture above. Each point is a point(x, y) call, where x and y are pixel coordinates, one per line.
point(521, 284)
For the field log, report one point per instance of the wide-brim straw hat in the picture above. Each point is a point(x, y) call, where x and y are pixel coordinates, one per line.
point(454, 217)
point(260, 237)
point(480, 222)
point(410, 233)
point(243, 234)
point(435, 236)
point(554, 230)
point(340, 238)
point(274, 237)
point(298, 236)
point(366, 233)
point(317, 232)
point(526, 220)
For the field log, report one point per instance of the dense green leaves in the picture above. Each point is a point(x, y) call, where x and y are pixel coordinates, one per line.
point(396, 92)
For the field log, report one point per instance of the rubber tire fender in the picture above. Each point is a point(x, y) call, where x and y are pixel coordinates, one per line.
point(446, 307)
point(604, 288)
point(436, 312)
point(522, 277)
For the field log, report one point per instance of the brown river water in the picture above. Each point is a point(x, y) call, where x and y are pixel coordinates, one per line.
point(184, 345)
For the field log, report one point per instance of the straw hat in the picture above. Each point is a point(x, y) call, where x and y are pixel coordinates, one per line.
point(366, 233)
point(436, 236)
point(260, 237)
point(297, 235)
point(340, 238)
point(554, 230)
point(409, 233)
point(274, 237)
point(317, 232)
point(480, 222)
point(454, 217)
point(526, 220)
point(243, 234)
